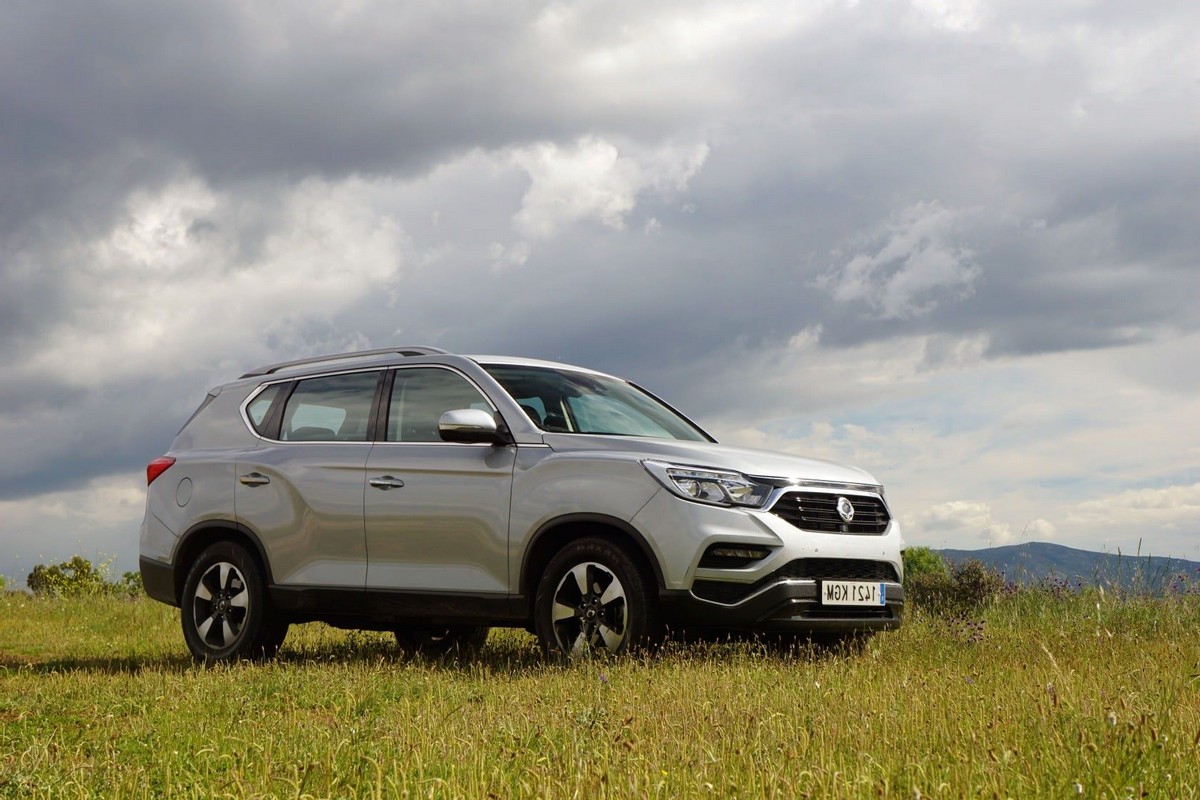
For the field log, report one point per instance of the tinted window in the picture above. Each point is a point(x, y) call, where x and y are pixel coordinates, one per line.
point(421, 396)
point(334, 408)
point(259, 406)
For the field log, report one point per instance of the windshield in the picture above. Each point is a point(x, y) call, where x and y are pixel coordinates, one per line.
point(561, 401)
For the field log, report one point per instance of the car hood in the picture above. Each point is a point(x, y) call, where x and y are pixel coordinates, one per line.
point(761, 463)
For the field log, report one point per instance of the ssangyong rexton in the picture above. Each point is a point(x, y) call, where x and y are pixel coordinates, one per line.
point(431, 494)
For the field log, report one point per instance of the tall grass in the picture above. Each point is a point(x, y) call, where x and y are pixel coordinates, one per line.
point(1031, 697)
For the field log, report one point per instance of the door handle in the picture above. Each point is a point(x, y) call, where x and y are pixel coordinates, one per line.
point(386, 482)
point(254, 479)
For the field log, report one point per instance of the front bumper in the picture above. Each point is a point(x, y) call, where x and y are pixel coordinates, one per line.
point(786, 606)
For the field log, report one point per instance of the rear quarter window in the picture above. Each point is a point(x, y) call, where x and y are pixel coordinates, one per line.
point(260, 405)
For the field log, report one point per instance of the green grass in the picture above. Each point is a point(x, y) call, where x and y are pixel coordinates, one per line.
point(98, 699)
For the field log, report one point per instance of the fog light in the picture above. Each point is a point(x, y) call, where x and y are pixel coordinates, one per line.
point(741, 553)
point(732, 556)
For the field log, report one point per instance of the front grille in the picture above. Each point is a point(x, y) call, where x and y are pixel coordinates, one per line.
point(817, 511)
point(835, 569)
point(829, 569)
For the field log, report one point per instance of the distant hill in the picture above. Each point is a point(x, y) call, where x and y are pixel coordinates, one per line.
point(1030, 562)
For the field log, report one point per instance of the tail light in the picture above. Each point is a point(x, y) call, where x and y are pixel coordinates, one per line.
point(157, 467)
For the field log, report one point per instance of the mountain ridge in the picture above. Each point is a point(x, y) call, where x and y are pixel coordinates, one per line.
point(1031, 562)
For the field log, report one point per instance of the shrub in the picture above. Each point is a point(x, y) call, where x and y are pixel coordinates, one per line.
point(976, 585)
point(931, 591)
point(923, 561)
point(131, 584)
point(74, 578)
point(958, 589)
point(2, 583)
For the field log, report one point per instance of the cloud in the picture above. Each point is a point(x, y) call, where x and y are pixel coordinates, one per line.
point(214, 273)
point(97, 520)
point(913, 264)
point(974, 518)
point(1174, 507)
point(593, 180)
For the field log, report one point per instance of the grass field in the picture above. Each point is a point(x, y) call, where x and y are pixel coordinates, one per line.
point(1036, 697)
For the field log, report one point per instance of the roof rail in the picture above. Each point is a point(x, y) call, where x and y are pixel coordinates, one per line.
point(271, 369)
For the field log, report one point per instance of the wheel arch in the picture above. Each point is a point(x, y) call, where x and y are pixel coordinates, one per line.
point(555, 534)
point(203, 534)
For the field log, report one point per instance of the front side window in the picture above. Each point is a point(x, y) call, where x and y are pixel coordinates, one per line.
point(579, 402)
point(334, 408)
point(419, 398)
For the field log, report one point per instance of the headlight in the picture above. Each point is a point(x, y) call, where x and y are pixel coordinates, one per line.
point(715, 487)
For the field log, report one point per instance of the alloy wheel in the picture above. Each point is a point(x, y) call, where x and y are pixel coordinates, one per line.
point(590, 610)
point(220, 605)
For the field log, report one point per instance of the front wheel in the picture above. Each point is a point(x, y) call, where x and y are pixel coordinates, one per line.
point(594, 598)
point(224, 608)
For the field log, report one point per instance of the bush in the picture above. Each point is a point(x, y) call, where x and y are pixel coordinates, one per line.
point(920, 561)
point(961, 588)
point(2, 583)
point(975, 584)
point(131, 584)
point(79, 578)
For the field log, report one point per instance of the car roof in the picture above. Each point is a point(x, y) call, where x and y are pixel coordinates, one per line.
point(518, 361)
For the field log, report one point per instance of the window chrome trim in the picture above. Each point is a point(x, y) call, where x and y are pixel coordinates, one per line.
point(297, 378)
point(243, 409)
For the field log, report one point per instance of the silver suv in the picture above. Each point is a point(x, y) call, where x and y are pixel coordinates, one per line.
point(431, 494)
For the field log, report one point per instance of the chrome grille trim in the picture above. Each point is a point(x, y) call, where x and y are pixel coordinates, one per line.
point(817, 511)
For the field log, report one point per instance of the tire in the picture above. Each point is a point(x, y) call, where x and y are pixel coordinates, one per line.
point(437, 641)
point(224, 609)
point(594, 598)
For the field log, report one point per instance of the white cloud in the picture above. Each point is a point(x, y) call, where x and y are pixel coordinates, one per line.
point(1176, 507)
point(594, 180)
point(508, 256)
point(973, 518)
point(189, 270)
point(98, 521)
point(913, 264)
point(954, 15)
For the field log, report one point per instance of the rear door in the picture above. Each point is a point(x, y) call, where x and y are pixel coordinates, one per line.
point(301, 490)
point(436, 512)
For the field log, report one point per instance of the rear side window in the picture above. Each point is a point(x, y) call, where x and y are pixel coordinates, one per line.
point(421, 396)
point(335, 408)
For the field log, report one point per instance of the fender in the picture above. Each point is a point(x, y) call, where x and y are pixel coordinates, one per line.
point(567, 520)
point(187, 542)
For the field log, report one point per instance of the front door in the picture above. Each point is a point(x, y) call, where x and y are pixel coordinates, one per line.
point(436, 512)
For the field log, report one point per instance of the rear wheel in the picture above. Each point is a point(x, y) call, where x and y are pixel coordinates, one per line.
point(224, 608)
point(594, 598)
point(441, 640)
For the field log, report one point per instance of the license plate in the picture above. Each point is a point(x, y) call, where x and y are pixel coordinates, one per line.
point(853, 593)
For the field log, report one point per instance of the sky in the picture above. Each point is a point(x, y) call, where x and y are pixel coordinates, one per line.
point(954, 243)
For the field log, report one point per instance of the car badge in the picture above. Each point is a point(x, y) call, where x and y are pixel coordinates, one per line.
point(845, 509)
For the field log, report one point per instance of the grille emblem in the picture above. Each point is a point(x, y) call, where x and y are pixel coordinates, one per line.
point(845, 509)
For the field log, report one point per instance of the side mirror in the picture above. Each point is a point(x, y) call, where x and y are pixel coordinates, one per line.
point(471, 426)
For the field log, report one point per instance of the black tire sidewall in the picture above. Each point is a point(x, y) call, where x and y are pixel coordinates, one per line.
point(641, 606)
point(253, 640)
